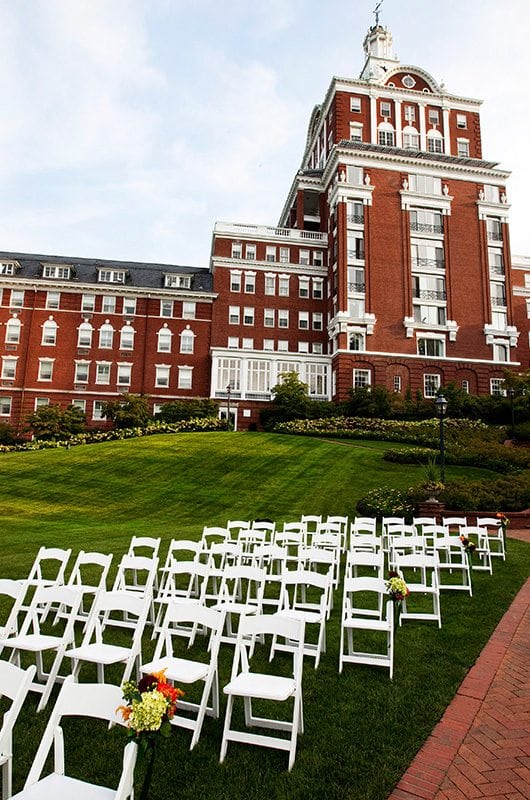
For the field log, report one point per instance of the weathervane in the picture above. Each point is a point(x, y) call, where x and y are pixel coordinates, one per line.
point(376, 12)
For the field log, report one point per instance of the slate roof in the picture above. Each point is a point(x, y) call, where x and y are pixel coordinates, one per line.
point(85, 270)
point(418, 154)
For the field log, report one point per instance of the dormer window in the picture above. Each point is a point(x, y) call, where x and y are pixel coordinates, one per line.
point(112, 275)
point(177, 281)
point(56, 271)
point(7, 267)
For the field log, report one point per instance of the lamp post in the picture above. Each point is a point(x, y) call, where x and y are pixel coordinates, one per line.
point(441, 410)
point(228, 393)
point(511, 395)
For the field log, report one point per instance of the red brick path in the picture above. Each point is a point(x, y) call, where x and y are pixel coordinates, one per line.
point(481, 746)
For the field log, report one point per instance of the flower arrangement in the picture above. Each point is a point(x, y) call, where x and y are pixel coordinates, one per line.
point(151, 704)
point(397, 588)
point(468, 545)
point(504, 521)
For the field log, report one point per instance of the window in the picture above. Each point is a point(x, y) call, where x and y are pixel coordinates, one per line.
point(357, 341)
point(498, 294)
point(434, 116)
point(385, 109)
point(361, 378)
point(5, 406)
point(187, 341)
point(81, 371)
point(355, 105)
point(129, 306)
point(98, 409)
point(356, 132)
point(303, 287)
point(303, 320)
point(283, 318)
point(229, 374)
point(461, 122)
point(268, 317)
point(185, 377)
point(270, 284)
point(79, 403)
point(127, 337)
point(501, 352)
point(41, 401)
point(494, 229)
point(247, 344)
point(304, 257)
point(233, 342)
point(250, 252)
point(250, 282)
point(318, 288)
point(356, 246)
point(237, 250)
point(111, 275)
point(7, 268)
point(164, 340)
point(410, 113)
point(189, 309)
point(124, 374)
point(248, 316)
point(465, 386)
point(49, 332)
point(84, 335)
point(270, 253)
point(102, 372)
point(268, 344)
point(177, 281)
point(431, 384)
point(283, 346)
point(499, 320)
point(235, 281)
point(462, 148)
point(88, 302)
point(106, 336)
point(411, 139)
point(166, 308)
point(423, 220)
point(233, 315)
point(108, 305)
point(318, 318)
point(17, 298)
point(397, 383)
point(303, 347)
point(283, 285)
point(13, 328)
point(491, 193)
point(9, 367)
point(318, 258)
point(53, 299)
point(355, 175)
point(435, 142)
point(425, 184)
point(258, 377)
point(317, 381)
point(162, 376)
point(55, 271)
point(285, 255)
point(45, 369)
point(429, 315)
point(317, 348)
point(497, 387)
point(431, 347)
point(386, 136)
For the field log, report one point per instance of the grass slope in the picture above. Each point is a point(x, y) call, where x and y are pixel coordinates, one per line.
point(361, 730)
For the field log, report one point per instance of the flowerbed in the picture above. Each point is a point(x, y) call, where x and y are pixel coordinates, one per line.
point(487, 455)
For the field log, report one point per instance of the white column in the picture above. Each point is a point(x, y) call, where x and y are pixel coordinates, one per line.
point(397, 112)
point(447, 136)
point(423, 133)
point(373, 119)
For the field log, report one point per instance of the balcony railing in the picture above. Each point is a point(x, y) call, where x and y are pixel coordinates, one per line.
point(424, 227)
point(428, 294)
point(269, 232)
point(494, 236)
point(356, 287)
point(357, 254)
point(357, 219)
point(498, 301)
point(496, 269)
point(434, 263)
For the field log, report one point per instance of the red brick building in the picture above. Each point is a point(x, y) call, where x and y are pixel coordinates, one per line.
point(390, 265)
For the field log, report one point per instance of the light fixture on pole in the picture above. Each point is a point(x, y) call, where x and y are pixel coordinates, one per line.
point(228, 394)
point(511, 395)
point(441, 410)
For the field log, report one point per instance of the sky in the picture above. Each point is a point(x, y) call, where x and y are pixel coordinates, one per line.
point(129, 127)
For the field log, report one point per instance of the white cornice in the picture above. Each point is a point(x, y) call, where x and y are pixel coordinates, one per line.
point(42, 284)
point(242, 265)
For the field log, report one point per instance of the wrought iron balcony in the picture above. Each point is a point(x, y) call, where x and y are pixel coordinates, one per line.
point(498, 301)
point(357, 254)
point(494, 236)
point(423, 227)
point(434, 263)
point(356, 287)
point(496, 269)
point(357, 219)
point(428, 294)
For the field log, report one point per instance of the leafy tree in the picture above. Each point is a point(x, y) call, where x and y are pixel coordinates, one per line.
point(290, 401)
point(54, 422)
point(187, 409)
point(132, 411)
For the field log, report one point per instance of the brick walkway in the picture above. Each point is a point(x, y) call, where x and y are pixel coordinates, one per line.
point(481, 746)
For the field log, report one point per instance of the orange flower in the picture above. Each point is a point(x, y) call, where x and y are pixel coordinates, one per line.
point(125, 711)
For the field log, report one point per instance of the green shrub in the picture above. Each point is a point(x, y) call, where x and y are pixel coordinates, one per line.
point(187, 409)
point(521, 432)
point(508, 494)
point(488, 455)
point(386, 502)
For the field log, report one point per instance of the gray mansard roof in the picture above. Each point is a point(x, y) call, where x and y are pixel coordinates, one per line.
point(86, 270)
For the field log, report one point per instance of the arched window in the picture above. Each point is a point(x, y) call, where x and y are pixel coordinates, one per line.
point(106, 335)
point(84, 335)
point(127, 337)
point(164, 340)
point(49, 332)
point(435, 141)
point(357, 341)
point(411, 138)
point(13, 328)
point(187, 341)
point(386, 134)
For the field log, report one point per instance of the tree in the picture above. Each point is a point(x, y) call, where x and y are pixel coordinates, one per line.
point(54, 422)
point(187, 409)
point(132, 411)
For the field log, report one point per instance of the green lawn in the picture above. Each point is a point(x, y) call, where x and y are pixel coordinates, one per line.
point(361, 730)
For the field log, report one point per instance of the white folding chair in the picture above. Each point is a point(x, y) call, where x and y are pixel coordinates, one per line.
point(365, 541)
point(330, 540)
point(30, 638)
point(452, 561)
point(98, 701)
point(385, 523)
point(89, 576)
point(361, 622)
point(221, 556)
point(95, 650)
point(186, 582)
point(137, 575)
point(401, 545)
point(343, 523)
point(146, 546)
point(292, 537)
point(311, 523)
point(273, 559)
point(420, 522)
point(367, 561)
point(240, 594)
point(265, 525)
point(233, 526)
point(215, 533)
point(454, 524)
point(363, 525)
point(179, 550)
point(305, 595)
point(48, 569)
point(431, 534)
point(251, 686)
point(16, 591)
point(495, 535)
point(14, 684)
point(189, 671)
point(420, 575)
point(481, 558)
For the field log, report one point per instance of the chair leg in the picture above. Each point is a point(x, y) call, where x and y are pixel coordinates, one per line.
point(7, 780)
point(226, 729)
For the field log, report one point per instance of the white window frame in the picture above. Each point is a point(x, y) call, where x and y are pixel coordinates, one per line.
point(97, 410)
point(237, 250)
point(53, 300)
point(185, 378)
point(112, 275)
point(176, 281)
point(249, 286)
point(103, 372)
point(127, 333)
point(108, 304)
point(106, 336)
point(461, 122)
point(49, 333)
point(162, 376)
point(362, 378)
point(355, 104)
point(129, 306)
point(88, 302)
point(303, 320)
point(6, 406)
point(250, 252)
point(462, 148)
point(166, 308)
point(164, 336)
point(123, 374)
point(283, 285)
point(233, 342)
point(46, 369)
point(189, 309)
point(17, 298)
point(283, 318)
point(81, 371)
point(268, 317)
point(497, 387)
point(13, 331)
point(187, 341)
point(431, 384)
point(85, 332)
point(248, 315)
